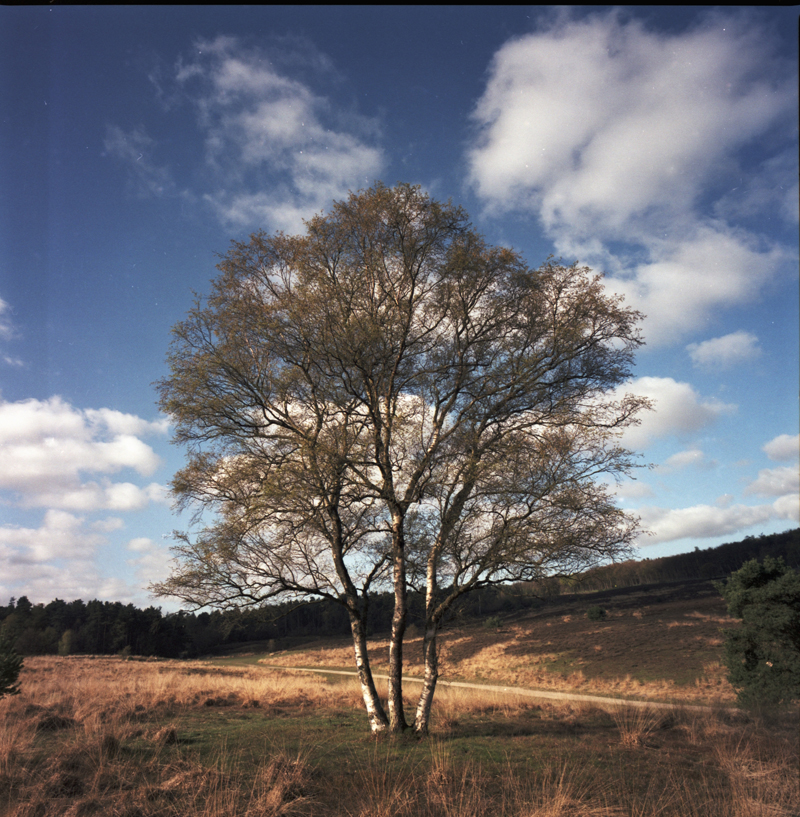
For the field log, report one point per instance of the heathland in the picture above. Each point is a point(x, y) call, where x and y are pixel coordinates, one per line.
point(241, 734)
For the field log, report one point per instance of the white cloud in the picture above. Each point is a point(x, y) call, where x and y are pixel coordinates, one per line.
point(279, 151)
point(691, 272)
point(724, 352)
point(678, 410)
point(618, 138)
point(59, 559)
point(788, 507)
point(597, 122)
point(61, 536)
point(6, 326)
point(48, 446)
point(692, 458)
point(151, 563)
point(117, 496)
point(783, 447)
point(633, 490)
point(781, 481)
point(8, 332)
point(704, 521)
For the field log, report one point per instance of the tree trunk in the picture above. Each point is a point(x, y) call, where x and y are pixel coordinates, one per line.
point(431, 659)
point(397, 718)
point(378, 722)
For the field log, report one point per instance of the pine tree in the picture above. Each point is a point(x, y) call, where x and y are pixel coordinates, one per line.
point(10, 666)
point(763, 654)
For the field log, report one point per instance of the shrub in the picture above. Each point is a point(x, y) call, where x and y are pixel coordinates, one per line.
point(10, 666)
point(492, 623)
point(595, 613)
point(763, 654)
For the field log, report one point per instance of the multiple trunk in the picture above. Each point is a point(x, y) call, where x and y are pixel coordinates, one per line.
point(396, 721)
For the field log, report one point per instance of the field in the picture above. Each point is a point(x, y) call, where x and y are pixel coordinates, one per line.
point(233, 736)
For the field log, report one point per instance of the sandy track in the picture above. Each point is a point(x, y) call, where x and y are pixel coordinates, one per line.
point(511, 690)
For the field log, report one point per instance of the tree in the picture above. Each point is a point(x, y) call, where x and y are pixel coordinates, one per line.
point(10, 667)
point(386, 401)
point(763, 654)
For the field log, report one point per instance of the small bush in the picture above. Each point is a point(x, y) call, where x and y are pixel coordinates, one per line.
point(492, 623)
point(596, 613)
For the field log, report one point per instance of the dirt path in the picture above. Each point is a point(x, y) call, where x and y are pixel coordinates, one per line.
point(531, 693)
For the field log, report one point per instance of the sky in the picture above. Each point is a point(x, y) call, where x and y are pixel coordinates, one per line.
point(657, 145)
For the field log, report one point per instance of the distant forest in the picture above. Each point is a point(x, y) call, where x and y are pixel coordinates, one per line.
point(112, 628)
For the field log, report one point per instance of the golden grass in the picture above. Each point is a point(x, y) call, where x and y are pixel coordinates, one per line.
point(122, 738)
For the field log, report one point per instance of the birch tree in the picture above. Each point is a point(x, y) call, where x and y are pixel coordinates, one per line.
point(387, 401)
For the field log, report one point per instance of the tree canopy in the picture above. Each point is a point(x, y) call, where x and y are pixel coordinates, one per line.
point(385, 401)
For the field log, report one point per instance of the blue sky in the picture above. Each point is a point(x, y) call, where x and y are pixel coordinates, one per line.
point(656, 145)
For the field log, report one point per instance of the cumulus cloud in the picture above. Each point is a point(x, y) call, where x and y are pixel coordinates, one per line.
point(782, 481)
point(616, 137)
point(783, 447)
point(260, 122)
point(60, 559)
point(724, 352)
point(48, 447)
point(61, 536)
point(678, 410)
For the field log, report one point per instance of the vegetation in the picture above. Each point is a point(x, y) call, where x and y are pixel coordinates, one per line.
point(763, 654)
point(10, 666)
point(386, 402)
point(193, 739)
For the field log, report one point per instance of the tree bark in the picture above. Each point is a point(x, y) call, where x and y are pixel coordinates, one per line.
point(397, 718)
point(431, 662)
point(378, 722)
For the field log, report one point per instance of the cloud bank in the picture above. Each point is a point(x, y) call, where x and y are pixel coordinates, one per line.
point(781, 485)
point(75, 467)
point(48, 448)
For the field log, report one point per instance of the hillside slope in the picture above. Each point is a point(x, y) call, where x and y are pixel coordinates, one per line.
point(662, 642)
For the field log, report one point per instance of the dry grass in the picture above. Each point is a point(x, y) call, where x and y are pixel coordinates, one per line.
point(656, 645)
point(163, 739)
point(637, 724)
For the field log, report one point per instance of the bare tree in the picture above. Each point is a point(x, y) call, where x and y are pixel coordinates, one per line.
point(387, 400)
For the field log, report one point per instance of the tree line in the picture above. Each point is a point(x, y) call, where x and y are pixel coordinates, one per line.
point(710, 563)
point(112, 628)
